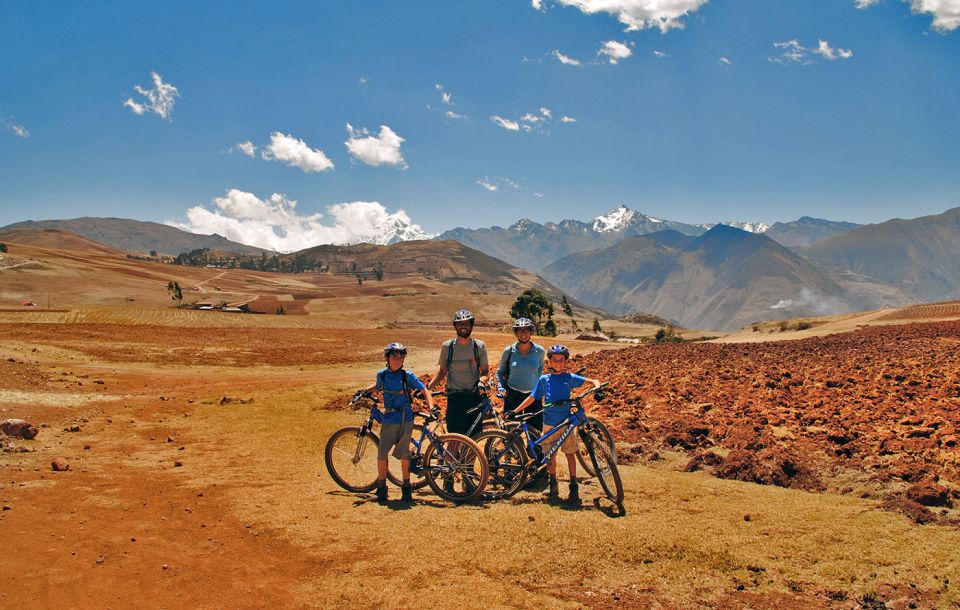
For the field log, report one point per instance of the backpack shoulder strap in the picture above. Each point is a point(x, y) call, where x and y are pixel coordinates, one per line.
point(450, 347)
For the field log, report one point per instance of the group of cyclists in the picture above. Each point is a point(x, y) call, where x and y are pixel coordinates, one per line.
point(520, 381)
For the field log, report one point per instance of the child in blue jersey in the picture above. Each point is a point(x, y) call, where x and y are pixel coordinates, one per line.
point(396, 385)
point(552, 388)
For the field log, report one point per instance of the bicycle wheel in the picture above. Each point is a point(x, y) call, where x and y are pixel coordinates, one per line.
point(456, 468)
point(418, 480)
point(605, 467)
point(600, 435)
point(351, 458)
point(507, 462)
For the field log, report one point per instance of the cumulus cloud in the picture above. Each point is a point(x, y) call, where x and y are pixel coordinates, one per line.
point(641, 14)
point(792, 52)
point(946, 13)
point(295, 153)
point(615, 51)
point(497, 183)
point(246, 148)
point(383, 149)
point(660, 54)
point(827, 52)
point(505, 123)
point(863, 4)
point(274, 223)
point(723, 61)
point(537, 4)
point(565, 60)
point(18, 130)
point(159, 100)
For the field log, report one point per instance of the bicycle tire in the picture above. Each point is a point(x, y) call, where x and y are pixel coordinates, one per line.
point(507, 463)
point(351, 459)
point(394, 468)
point(606, 469)
point(458, 458)
point(601, 434)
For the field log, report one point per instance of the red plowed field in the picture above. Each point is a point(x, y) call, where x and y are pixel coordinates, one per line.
point(882, 401)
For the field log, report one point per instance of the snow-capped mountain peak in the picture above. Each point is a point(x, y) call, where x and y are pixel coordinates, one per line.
point(749, 227)
point(616, 219)
point(396, 230)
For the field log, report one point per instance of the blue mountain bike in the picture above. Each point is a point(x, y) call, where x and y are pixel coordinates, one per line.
point(452, 464)
point(508, 451)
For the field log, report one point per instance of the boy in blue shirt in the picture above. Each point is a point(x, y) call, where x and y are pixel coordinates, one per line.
point(396, 385)
point(552, 388)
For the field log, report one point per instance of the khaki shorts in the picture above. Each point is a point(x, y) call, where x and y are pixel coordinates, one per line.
point(390, 435)
point(569, 444)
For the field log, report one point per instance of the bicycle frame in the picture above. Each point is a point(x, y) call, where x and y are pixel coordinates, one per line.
point(427, 435)
point(573, 421)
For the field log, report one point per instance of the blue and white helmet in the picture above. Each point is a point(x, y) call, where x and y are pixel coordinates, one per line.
point(558, 349)
point(394, 348)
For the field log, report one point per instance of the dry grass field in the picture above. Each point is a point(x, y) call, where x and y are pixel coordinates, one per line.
point(194, 442)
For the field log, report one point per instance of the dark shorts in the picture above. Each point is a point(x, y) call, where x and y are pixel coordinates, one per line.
point(458, 420)
point(394, 434)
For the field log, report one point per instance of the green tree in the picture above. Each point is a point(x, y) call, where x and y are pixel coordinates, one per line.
point(3, 247)
point(378, 271)
point(175, 293)
point(596, 326)
point(550, 328)
point(531, 303)
point(281, 311)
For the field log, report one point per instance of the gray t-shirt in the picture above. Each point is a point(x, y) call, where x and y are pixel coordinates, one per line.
point(463, 373)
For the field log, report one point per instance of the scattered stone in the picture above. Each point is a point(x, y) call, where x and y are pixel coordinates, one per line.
point(164, 567)
point(531, 518)
point(59, 465)
point(98, 382)
point(19, 427)
point(73, 428)
point(928, 493)
point(746, 517)
point(169, 439)
point(100, 559)
point(916, 512)
point(177, 464)
point(7, 507)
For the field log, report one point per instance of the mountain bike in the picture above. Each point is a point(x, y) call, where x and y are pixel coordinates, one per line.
point(510, 465)
point(451, 464)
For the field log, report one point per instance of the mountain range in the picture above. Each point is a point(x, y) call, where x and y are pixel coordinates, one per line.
point(534, 246)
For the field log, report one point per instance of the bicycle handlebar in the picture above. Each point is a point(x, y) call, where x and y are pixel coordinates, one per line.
point(577, 399)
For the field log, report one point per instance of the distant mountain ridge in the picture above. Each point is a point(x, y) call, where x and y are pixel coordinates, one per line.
point(723, 279)
point(534, 246)
point(140, 236)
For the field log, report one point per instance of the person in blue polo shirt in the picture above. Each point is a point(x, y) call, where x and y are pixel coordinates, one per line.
point(396, 385)
point(521, 366)
point(552, 388)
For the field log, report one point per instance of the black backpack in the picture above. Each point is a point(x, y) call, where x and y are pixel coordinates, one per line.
point(476, 355)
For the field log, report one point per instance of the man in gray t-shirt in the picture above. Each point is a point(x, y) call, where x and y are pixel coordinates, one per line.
point(464, 369)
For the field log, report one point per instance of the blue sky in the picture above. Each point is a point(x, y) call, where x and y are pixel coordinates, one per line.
point(732, 110)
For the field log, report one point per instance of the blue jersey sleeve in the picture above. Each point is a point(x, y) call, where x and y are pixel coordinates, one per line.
point(540, 389)
point(576, 380)
point(380, 376)
point(414, 383)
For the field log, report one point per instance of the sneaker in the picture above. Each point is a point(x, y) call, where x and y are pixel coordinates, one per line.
point(406, 492)
point(448, 485)
point(574, 497)
point(554, 489)
point(382, 491)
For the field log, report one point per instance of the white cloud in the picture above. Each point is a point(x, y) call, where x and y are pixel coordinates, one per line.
point(567, 119)
point(497, 183)
point(274, 223)
point(505, 123)
point(487, 184)
point(246, 148)
point(538, 194)
point(445, 96)
point(792, 52)
point(363, 80)
point(159, 100)
point(295, 153)
point(376, 150)
point(723, 61)
point(450, 114)
point(641, 14)
point(946, 13)
point(18, 130)
point(546, 112)
point(567, 61)
point(615, 51)
point(660, 54)
point(827, 52)
point(537, 4)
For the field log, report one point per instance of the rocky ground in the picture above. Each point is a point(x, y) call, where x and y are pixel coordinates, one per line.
point(875, 411)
